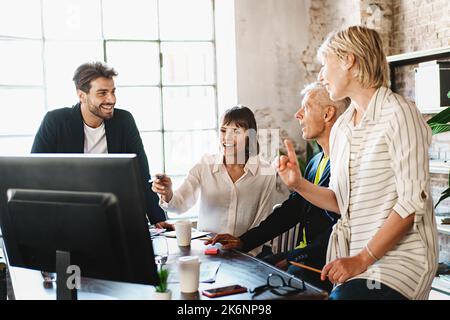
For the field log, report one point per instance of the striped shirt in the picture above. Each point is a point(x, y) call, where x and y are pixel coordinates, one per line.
point(378, 166)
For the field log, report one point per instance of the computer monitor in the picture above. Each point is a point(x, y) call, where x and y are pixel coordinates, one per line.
point(87, 225)
point(65, 199)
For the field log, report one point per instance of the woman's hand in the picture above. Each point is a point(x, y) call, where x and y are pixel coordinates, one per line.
point(287, 167)
point(163, 186)
point(340, 270)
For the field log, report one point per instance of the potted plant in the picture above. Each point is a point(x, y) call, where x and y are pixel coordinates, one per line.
point(161, 290)
point(439, 124)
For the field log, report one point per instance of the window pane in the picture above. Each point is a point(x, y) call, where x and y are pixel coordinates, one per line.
point(24, 71)
point(136, 62)
point(21, 111)
point(19, 22)
point(72, 19)
point(188, 63)
point(189, 108)
point(186, 20)
point(60, 87)
point(153, 149)
point(140, 19)
point(193, 212)
point(15, 145)
point(191, 145)
point(143, 103)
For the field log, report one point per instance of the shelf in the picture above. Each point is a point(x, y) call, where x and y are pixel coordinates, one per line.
point(441, 285)
point(439, 166)
point(431, 110)
point(442, 228)
point(418, 56)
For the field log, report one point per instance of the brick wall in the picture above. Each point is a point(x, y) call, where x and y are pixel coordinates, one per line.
point(378, 15)
point(330, 15)
point(420, 25)
point(325, 16)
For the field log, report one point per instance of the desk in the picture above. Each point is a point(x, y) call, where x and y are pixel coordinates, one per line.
point(236, 268)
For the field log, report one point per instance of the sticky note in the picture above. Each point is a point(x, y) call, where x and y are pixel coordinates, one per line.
point(212, 251)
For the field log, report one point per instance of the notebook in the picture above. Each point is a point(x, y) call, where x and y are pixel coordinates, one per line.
point(194, 235)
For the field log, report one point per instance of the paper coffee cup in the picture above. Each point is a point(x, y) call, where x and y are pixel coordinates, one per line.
point(189, 272)
point(183, 232)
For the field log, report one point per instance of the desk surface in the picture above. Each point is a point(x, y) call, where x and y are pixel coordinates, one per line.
point(235, 268)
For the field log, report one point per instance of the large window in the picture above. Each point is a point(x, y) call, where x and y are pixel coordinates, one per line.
point(163, 50)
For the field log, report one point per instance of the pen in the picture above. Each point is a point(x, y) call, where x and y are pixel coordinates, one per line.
point(305, 266)
point(157, 176)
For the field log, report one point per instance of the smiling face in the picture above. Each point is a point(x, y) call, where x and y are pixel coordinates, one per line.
point(101, 98)
point(232, 139)
point(311, 117)
point(335, 76)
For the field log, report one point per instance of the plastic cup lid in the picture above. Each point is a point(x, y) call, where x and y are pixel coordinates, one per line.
point(188, 259)
point(183, 222)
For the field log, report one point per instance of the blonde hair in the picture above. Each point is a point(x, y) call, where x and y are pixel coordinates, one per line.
point(317, 91)
point(366, 45)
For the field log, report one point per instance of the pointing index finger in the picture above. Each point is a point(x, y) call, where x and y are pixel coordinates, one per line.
point(290, 151)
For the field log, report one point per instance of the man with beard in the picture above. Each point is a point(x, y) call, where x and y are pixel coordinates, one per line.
point(94, 126)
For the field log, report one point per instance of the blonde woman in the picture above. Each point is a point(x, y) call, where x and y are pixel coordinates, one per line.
point(385, 244)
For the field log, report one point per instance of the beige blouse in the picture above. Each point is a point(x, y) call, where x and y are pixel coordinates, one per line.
point(226, 207)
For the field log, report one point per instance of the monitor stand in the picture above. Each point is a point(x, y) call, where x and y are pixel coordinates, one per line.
point(63, 292)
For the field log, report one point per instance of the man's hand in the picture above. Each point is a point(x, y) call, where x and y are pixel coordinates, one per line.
point(287, 167)
point(164, 225)
point(162, 185)
point(227, 240)
point(282, 264)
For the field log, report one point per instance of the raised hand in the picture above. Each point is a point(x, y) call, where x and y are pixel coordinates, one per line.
point(162, 185)
point(227, 240)
point(287, 167)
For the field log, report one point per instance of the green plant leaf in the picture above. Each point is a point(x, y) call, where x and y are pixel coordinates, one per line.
point(444, 195)
point(163, 275)
point(312, 148)
point(302, 165)
point(439, 128)
point(448, 94)
point(442, 117)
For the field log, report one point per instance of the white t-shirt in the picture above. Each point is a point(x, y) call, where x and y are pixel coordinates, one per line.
point(95, 139)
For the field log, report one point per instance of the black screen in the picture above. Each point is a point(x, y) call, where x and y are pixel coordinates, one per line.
point(118, 175)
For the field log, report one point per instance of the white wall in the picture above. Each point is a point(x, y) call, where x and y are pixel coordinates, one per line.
point(270, 38)
point(225, 54)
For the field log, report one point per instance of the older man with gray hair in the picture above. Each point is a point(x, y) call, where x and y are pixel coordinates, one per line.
point(316, 116)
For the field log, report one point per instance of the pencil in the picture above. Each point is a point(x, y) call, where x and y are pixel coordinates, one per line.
point(203, 238)
point(305, 267)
